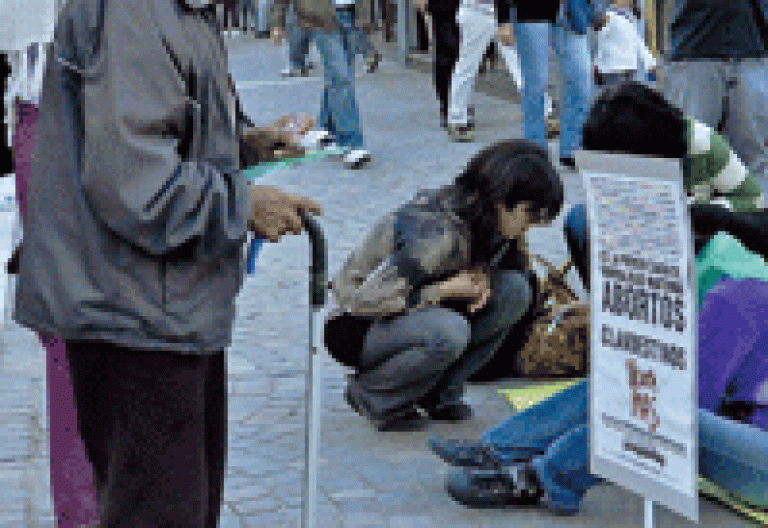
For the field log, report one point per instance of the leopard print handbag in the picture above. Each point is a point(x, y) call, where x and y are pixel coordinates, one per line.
point(558, 339)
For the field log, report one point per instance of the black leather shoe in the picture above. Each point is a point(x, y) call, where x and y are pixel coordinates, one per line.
point(454, 412)
point(408, 419)
point(465, 453)
point(513, 485)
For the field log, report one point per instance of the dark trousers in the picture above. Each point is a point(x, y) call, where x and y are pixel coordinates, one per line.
point(447, 39)
point(154, 427)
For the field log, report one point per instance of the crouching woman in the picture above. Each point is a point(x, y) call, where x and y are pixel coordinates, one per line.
point(430, 294)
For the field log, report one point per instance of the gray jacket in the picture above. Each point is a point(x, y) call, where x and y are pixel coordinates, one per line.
point(719, 29)
point(137, 209)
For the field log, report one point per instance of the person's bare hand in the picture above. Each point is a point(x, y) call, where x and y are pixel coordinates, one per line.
point(277, 35)
point(275, 212)
point(506, 35)
point(473, 286)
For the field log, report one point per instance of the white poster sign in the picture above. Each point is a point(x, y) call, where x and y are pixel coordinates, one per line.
point(643, 427)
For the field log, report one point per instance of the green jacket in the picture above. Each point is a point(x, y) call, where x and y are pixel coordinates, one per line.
point(320, 14)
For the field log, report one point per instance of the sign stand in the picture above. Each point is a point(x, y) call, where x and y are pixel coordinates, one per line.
point(648, 514)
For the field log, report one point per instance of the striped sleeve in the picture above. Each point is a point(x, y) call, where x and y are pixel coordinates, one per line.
point(717, 172)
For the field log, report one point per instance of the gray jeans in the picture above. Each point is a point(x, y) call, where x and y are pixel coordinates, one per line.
point(424, 356)
point(730, 95)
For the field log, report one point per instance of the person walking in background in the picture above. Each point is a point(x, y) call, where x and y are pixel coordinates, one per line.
point(477, 21)
point(446, 37)
point(231, 21)
point(537, 24)
point(621, 53)
point(298, 39)
point(717, 72)
point(130, 196)
point(334, 25)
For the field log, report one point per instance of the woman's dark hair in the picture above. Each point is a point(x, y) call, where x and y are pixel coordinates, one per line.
point(635, 119)
point(506, 173)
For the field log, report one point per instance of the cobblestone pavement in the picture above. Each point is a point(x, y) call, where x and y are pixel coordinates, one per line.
point(367, 479)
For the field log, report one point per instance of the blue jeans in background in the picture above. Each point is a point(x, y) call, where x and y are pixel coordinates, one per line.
point(338, 111)
point(298, 41)
point(556, 432)
point(572, 50)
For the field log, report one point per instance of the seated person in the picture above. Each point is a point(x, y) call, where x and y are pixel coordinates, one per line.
point(632, 118)
point(427, 285)
point(541, 455)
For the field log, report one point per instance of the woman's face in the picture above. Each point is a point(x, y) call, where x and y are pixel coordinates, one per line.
point(514, 223)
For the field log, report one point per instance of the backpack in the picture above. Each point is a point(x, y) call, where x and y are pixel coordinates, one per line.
point(733, 351)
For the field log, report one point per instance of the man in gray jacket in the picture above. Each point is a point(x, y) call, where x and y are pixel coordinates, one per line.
point(136, 221)
point(717, 72)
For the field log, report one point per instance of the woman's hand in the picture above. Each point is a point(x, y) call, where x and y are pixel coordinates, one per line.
point(473, 286)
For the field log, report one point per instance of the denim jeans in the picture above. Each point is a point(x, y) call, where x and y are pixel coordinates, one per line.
point(425, 356)
point(572, 50)
point(338, 110)
point(555, 433)
point(728, 95)
point(298, 41)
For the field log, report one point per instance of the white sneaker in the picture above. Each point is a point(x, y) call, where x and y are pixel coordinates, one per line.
point(316, 140)
point(294, 72)
point(356, 158)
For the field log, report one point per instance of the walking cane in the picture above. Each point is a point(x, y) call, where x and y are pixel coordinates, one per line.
point(317, 287)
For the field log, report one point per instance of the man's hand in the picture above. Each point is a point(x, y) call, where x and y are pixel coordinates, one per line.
point(278, 35)
point(473, 286)
point(275, 213)
point(506, 35)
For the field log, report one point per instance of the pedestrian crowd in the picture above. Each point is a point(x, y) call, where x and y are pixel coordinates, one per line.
point(127, 119)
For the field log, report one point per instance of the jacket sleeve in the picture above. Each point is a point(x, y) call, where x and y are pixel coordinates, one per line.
point(383, 278)
point(368, 284)
point(135, 175)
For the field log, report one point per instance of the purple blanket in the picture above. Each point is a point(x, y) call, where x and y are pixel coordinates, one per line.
point(733, 345)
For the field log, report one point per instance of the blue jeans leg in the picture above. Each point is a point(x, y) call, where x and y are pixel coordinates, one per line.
point(734, 456)
point(575, 228)
point(563, 470)
point(338, 111)
point(298, 41)
point(576, 72)
point(533, 46)
point(535, 428)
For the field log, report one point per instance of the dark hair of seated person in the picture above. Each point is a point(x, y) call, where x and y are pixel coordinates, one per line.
point(505, 173)
point(635, 119)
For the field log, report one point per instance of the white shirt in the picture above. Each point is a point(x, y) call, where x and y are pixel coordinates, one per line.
point(486, 6)
point(620, 47)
